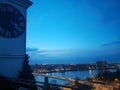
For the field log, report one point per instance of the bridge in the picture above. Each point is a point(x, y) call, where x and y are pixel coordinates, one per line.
point(56, 77)
point(62, 78)
point(86, 82)
point(96, 84)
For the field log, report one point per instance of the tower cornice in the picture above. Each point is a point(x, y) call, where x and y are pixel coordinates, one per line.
point(23, 3)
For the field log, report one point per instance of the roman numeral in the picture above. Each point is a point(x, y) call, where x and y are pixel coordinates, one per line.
point(10, 9)
point(16, 12)
point(15, 33)
point(20, 30)
point(8, 34)
point(21, 24)
point(2, 8)
point(20, 18)
point(2, 31)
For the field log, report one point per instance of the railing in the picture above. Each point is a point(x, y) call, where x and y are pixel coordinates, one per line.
point(21, 84)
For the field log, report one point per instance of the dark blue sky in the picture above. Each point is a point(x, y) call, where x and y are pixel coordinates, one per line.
point(73, 31)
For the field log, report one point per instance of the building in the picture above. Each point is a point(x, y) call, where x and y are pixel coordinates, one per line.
point(101, 65)
point(12, 36)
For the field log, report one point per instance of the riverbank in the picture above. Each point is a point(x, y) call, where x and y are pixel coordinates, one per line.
point(62, 71)
point(49, 68)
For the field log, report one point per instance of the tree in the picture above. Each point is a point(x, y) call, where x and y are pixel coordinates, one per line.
point(26, 72)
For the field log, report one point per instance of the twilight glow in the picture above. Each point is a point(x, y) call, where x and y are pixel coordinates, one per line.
point(73, 31)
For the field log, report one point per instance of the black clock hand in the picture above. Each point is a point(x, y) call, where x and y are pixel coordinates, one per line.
point(14, 24)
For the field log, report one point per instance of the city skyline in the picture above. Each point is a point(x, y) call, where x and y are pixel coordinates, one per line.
point(73, 31)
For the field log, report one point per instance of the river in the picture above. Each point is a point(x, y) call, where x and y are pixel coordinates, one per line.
point(70, 74)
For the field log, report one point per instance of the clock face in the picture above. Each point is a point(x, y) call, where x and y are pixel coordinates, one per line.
point(12, 22)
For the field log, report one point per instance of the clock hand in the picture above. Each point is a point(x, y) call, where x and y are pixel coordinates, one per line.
point(18, 29)
point(15, 25)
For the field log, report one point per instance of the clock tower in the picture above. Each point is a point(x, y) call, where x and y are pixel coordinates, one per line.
point(12, 36)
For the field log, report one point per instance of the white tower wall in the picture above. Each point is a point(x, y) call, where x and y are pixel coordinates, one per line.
point(13, 50)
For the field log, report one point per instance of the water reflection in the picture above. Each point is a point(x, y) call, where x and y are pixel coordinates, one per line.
point(70, 74)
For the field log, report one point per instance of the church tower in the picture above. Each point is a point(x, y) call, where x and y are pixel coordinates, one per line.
point(12, 36)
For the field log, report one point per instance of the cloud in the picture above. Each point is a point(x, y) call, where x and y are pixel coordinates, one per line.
point(31, 49)
point(75, 55)
point(37, 53)
point(34, 50)
point(111, 44)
